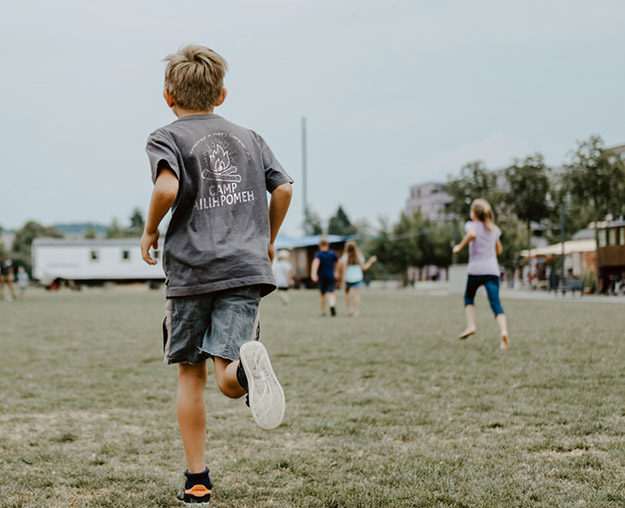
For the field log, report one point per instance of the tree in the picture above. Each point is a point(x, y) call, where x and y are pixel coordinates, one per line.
point(577, 214)
point(339, 224)
point(90, 233)
point(137, 224)
point(529, 188)
point(23, 241)
point(436, 244)
point(397, 246)
point(312, 223)
point(475, 181)
point(117, 231)
point(597, 177)
point(512, 241)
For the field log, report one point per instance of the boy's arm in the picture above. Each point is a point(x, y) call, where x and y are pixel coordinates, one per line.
point(314, 269)
point(163, 197)
point(471, 234)
point(278, 206)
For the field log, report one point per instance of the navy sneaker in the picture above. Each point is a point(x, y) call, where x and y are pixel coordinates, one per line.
point(197, 489)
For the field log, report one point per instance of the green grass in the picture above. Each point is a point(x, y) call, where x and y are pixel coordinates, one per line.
point(385, 410)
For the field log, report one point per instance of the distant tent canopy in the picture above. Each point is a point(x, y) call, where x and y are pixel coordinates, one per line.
point(570, 247)
point(285, 242)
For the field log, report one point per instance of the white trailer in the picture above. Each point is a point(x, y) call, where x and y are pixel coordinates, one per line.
point(92, 261)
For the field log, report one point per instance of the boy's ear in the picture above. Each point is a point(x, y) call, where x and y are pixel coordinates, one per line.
point(169, 98)
point(222, 97)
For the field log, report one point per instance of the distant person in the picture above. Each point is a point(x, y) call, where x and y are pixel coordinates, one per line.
point(323, 272)
point(351, 269)
point(482, 236)
point(214, 176)
point(22, 281)
point(6, 277)
point(283, 272)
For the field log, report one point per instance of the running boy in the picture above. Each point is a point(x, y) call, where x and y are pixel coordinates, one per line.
point(214, 176)
point(323, 272)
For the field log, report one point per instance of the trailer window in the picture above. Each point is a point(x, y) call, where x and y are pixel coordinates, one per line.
point(622, 237)
point(94, 255)
point(601, 237)
point(612, 236)
point(126, 255)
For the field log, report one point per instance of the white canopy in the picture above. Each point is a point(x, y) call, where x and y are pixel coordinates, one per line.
point(587, 245)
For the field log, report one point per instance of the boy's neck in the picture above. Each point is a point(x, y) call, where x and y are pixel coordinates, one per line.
point(181, 112)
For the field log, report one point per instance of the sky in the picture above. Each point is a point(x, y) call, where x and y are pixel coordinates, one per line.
point(395, 93)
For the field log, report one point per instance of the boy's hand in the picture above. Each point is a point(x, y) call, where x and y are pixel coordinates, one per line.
point(272, 252)
point(148, 240)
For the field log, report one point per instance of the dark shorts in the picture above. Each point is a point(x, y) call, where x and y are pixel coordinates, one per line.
point(491, 283)
point(215, 324)
point(326, 284)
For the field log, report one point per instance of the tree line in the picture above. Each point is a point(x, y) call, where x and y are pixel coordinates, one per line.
point(588, 187)
point(528, 198)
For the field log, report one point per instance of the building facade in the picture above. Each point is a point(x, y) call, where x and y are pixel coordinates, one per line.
point(430, 199)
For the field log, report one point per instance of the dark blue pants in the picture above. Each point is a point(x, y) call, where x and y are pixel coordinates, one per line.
point(491, 283)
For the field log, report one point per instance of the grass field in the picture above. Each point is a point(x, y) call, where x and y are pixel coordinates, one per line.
point(385, 410)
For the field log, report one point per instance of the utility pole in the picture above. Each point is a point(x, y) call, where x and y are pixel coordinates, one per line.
point(304, 176)
point(562, 241)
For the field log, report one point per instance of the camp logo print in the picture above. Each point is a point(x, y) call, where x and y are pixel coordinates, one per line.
point(220, 186)
point(217, 163)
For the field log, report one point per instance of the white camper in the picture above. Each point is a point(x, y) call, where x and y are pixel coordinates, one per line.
point(92, 261)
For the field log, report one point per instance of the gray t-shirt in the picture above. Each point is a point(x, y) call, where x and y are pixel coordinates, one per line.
point(219, 231)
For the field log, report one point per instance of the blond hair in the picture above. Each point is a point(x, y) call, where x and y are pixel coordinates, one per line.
point(195, 77)
point(323, 242)
point(484, 213)
point(352, 253)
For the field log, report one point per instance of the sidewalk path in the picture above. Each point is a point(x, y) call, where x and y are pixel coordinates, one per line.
point(442, 288)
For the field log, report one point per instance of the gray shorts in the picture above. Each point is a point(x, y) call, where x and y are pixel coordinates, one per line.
point(199, 327)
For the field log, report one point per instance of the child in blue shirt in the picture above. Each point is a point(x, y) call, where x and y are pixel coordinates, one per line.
point(324, 274)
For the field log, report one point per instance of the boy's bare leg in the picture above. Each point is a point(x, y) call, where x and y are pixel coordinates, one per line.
point(323, 303)
point(469, 312)
point(503, 330)
point(226, 374)
point(332, 299)
point(192, 414)
point(11, 288)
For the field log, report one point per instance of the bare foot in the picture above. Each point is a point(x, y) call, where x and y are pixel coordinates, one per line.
point(468, 332)
point(504, 342)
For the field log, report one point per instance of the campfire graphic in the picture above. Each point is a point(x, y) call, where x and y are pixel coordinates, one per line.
point(219, 166)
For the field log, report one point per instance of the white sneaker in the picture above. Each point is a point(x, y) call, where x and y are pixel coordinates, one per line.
point(266, 398)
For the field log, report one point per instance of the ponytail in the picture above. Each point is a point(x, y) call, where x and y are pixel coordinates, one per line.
point(484, 213)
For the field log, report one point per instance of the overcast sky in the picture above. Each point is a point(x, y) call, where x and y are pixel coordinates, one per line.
point(395, 92)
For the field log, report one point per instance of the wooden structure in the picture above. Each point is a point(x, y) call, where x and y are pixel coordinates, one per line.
point(611, 253)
